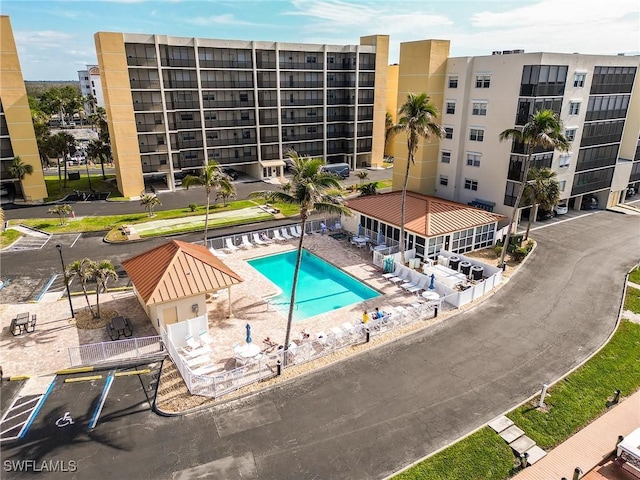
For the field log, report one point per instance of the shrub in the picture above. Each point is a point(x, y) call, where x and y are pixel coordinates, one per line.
point(193, 207)
point(519, 253)
point(498, 250)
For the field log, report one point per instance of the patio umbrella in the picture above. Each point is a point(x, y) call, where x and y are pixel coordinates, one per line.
point(432, 285)
point(248, 327)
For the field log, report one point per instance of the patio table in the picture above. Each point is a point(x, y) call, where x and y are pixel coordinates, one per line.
point(20, 323)
point(249, 350)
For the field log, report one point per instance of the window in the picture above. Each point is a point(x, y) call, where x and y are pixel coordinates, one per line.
point(562, 184)
point(444, 180)
point(451, 108)
point(574, 108)
point(453, 82)
point(470, 184)
point(578, 80)
point(476, 135)
point(570, 133)
point(312, 129)
point(244, 97)
point(473, 159)
point(483, 81)
point(565, 160)
point(445, 156)
point(311, 59)
point(479, 108)
point(244, 116)
point(448, 132)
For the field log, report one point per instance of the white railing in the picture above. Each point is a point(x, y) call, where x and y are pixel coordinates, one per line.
point(119, 350)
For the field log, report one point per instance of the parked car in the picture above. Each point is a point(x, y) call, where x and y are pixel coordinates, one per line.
point(561, 209)
point(545, 214)
point(589, 202)
point(234, 174)
point(288, 163)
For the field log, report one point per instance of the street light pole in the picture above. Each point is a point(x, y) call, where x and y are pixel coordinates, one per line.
point(66, 280)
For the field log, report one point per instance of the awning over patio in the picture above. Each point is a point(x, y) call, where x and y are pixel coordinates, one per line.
point(272, 163)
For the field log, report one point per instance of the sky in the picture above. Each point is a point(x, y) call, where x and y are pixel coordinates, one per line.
point(55, 38)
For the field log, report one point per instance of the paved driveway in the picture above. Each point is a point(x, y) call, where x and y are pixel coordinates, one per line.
point(371, 415)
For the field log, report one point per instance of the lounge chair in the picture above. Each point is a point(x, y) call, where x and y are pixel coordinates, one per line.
point(245, 242)
point(230, 246)
point(337, 227)
point(298, 230)
point(192, 343)
point(257, 240)
point(277, 237)
point(293, 232)
point(285, 235)
point(420, 286)
point(409, 286)
point(217, 253)
point(265, 238)
point(205, 338)
point(391, 275)
point(403, 276)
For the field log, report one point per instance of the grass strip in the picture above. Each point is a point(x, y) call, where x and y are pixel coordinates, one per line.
point(634, 276)
point(481, 456)
point(575, 401)
point(632, 300)
point(8, 237)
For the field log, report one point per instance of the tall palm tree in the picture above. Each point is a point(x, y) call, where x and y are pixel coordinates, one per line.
point(18, 169)
point(83, 269)
point(543, 130)
point(225, 192)
point(542, 189)
point(149, 202)
point(388, 131)
point(211, 178)
point(102, 272)
point(63, 144)
point(310, 186)
point(417, 121)
point(100, 150)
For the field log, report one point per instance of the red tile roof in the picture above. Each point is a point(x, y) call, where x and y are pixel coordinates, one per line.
point(426, 216)
point(176, 270)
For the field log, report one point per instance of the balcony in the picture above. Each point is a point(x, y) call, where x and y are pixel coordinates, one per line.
point(340, 83)
point(228, 104)
point(268, 120)
point(341, 66)
point(300, 66)
point(267, 84)
point(141, 62)
point(305, 119)
point(267, 102)
point(339, 150)
point(301, 102)
point(150, 127)
point(244, 64)
point(340, 134)
point(180, 84)
point(178, 62)
point(269, 139)
point(302, 136)
point(186, 144)
point(343, 118)
point(153, 148)
point(228, 122)
point(184, 125)
point(226, 84)
point(341, 101)
point(301, 84)
point(147, 107)
point(266, 64)
point(144, 84)
point(217, 142)
point(183, 105)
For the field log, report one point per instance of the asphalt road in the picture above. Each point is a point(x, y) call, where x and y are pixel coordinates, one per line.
point(370, 415)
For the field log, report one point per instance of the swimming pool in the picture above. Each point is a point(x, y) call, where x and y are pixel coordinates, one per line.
point(321, 286)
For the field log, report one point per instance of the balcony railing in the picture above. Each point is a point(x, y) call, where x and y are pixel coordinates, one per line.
point(145, 84)
point(228, 122)
point(226, 84)
point(246, 64)
point(147, 107)
point(304, 119)
point(300, 66)
point(301, 84)
point(227, 103)
point(180, 84)
point(182, 105)
point(216, 142)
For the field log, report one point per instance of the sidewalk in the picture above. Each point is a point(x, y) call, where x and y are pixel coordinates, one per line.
point(590, 446)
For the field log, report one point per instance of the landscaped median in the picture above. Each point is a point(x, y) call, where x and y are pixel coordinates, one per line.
point(571, 404)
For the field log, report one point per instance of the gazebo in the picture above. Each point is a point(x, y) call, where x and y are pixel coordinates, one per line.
point(171, 281)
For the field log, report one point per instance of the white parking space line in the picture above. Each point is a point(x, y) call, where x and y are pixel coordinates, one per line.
point(565, 220)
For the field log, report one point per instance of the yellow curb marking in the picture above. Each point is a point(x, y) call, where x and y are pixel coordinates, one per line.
point(19, 377)
point(82, 379)
point(134, 372)
point(66, 371)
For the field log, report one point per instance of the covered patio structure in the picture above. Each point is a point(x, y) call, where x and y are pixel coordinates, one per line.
point(171, 281)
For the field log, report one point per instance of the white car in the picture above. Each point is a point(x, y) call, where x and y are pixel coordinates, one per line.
point(561, 209)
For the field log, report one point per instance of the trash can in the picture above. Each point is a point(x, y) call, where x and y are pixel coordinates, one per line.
point(465, 267)
point(477, 272)
point(73, 175)
point(454, 261)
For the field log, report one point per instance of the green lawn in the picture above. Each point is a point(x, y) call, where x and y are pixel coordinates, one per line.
point(481, 456)
point(581, 397)
point(634, 276)
point(97, 183)
point(632, 300)
point(8, 237)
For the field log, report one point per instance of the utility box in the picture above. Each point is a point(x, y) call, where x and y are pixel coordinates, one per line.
point(74, 175)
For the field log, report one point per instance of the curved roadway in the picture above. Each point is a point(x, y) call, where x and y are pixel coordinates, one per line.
point(370, 415)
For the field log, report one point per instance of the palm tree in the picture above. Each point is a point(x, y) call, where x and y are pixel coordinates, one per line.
point(100, 150)
point(368, 189)
point(149, 202)
point(212, 178)
point(388, 130)
point(63, 145)
point(83, 269)
point(226, 192)
point(63, 211)
point(102, 272)
point(18, 169)
point(542, 189)
point(310, 186)
point(543, 130)
point(362, 175)
point(417, 120)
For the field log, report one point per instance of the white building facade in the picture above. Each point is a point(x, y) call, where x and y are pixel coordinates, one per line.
point(90, 84)
point(596, 98)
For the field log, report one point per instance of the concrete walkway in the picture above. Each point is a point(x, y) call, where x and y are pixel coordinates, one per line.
point(590, 446)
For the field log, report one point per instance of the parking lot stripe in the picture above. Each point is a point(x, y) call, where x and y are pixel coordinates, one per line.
point(36, 410)
point(82, 379)
point(105, 392)
point(134, 372)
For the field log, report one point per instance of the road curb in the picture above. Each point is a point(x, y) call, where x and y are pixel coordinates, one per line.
point(14, 378)
point(82, 379)
point(66, 371)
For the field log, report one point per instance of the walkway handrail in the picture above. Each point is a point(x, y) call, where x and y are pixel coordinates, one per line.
point(119, 350)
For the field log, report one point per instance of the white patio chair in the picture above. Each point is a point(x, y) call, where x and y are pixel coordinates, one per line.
point(298, 230)
point(257, 241)
point(420, 286)
point(217, 253)
point(245, 242)
point(387, 276)
point(410, 286)
point(230, 246)
point(205, 338)
point(284, 234)
point(192, 343)
point(403, 276)
point(277, 237)
point(293, 232)
point(265, 238)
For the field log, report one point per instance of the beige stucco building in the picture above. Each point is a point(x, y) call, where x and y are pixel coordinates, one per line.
point(175, 103)
point(17, 138)
point(596, 96)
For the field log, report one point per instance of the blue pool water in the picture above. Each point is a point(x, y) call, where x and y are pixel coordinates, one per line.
point(321, 286)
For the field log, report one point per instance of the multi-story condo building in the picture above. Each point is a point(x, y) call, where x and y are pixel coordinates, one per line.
point(175, 103)
point(596, 97)
point(90, 85)
point(17, 137)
